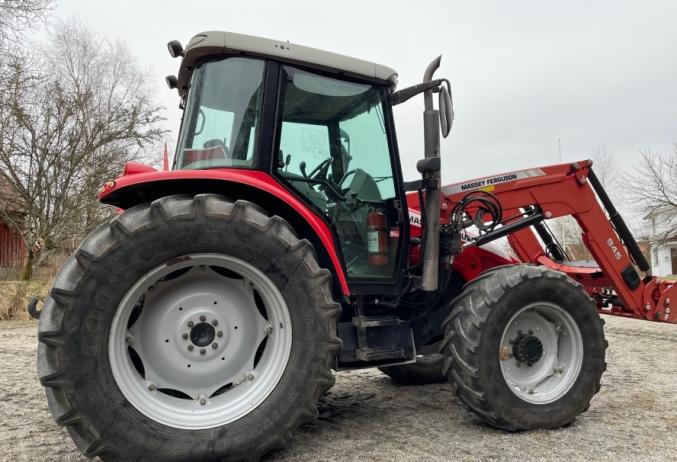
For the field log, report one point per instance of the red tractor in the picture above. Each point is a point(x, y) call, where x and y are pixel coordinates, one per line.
point(204, 321)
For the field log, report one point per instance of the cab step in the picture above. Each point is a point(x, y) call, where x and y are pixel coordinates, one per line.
point(376, 340)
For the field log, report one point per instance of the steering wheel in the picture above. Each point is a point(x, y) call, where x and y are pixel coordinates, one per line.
point(321, 169)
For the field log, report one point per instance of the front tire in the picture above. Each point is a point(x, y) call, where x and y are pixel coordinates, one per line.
point(130, 353)
point(524, 348)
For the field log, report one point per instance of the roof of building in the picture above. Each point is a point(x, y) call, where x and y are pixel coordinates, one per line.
point(229, 43)
point(10, 201)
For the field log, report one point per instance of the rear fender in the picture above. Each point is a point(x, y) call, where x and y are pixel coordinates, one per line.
point(258, 187)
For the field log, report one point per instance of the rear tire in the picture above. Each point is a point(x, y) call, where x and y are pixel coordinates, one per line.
point(539, 378)
point(86, 391)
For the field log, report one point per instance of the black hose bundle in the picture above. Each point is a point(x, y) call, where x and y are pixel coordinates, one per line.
point(488, 212)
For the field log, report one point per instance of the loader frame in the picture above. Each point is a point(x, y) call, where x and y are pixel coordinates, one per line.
point(530, 197)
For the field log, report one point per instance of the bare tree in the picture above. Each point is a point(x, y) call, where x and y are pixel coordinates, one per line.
point(66, 128)
point(16, 17)
point(606, 169)
point(652, 189)
point(19, 15)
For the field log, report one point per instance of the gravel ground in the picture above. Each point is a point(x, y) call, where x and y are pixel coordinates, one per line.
point(366, 417)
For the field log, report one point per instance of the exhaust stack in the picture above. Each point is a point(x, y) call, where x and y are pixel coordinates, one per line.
point(431, 137)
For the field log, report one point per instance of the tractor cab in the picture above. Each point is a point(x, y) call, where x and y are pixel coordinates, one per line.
point(319, 123)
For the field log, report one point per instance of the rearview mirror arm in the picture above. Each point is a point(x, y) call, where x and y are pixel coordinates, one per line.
point(409, 92)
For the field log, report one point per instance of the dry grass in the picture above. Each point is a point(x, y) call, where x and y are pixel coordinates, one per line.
point(15, 295)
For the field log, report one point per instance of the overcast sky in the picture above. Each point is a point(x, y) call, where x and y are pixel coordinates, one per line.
point(524, 73)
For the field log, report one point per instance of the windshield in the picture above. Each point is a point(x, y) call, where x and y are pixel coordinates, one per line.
point(222, 115)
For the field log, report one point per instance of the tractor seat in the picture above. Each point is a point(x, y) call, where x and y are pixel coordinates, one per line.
point(194, 155)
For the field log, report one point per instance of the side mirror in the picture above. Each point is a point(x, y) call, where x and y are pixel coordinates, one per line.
point(172, 81)
point(345, 140)
point(175, 48)
point(446, 111)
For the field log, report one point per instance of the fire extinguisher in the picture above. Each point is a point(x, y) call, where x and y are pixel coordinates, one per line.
point(377, 239)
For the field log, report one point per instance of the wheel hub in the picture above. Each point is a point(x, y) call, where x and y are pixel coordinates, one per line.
point(527, 349)
point(202, 334)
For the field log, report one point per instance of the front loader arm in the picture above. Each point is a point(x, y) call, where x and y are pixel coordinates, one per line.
point(567, 190)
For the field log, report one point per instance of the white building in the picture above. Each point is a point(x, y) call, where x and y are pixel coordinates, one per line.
point(664, 258)
point(663, 254)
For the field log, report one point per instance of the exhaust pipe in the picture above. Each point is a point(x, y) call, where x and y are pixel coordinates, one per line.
point(431, 137)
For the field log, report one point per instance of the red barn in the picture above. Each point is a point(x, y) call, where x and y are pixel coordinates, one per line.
point(12, 247)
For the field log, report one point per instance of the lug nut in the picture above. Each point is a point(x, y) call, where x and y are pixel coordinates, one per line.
point(215, 322)
point(203, 401)
point(203, 318)
point(215, 345)
point(250, 376)
point(190, 347)
point(190, 323)
point(268, 330)
point(202, 351)
point(219, 334)
point(151, 386)
point(185, 336)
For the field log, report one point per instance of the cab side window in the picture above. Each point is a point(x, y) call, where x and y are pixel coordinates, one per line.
point(333, 149)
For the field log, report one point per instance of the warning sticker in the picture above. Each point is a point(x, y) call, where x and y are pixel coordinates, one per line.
point(372, 242)
point(488, 183)
point(414, 218)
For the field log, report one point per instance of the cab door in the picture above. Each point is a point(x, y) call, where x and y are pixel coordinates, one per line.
point(336, 151)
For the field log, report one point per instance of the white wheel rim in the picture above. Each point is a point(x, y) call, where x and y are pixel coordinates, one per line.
point(556, 369)
point(200, 338)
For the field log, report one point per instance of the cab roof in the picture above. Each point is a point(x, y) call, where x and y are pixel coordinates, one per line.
point(229, 43)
